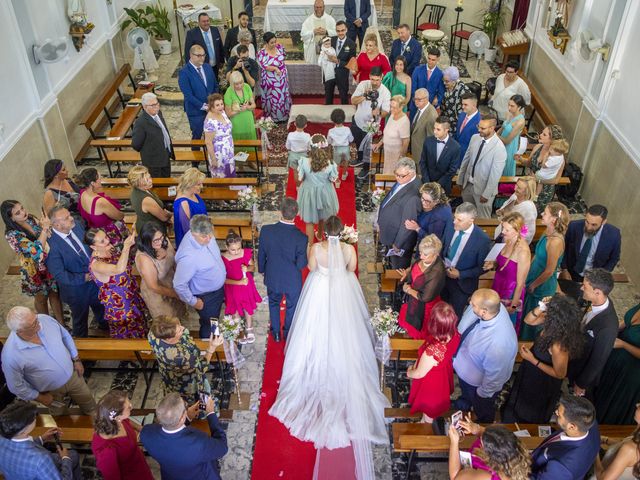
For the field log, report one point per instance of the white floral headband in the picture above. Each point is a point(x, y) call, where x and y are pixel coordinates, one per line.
point(321, 144)
point(112, 415)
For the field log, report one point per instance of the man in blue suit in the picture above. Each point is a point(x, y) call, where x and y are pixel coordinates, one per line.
point(185, 453)
point(428, 76)
point(68, 262)
point(209, 39)
point(440, 157)
point(464, 249)
point(468, 120)
point(282, 254)
point(590, 243)
point(197, 81)
point(569, 453)
point(408, 47)
point(357, 13)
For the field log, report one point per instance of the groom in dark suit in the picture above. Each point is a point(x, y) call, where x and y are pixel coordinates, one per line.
point(440, 158)
point(282, 254)
point(345, 50)
point(68, 262)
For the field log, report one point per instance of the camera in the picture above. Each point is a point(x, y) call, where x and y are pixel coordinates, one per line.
point(372, 96)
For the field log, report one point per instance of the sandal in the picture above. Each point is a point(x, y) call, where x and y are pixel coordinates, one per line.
point(249, 337)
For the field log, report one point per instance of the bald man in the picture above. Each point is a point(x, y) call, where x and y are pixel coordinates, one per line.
point(314, 28)
point(484, 360)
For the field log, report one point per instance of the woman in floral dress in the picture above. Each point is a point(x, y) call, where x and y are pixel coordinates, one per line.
point(124, 309)
point(218, 139)
point(274, 80)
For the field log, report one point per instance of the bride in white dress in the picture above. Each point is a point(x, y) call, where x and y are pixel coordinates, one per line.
point(329, 392)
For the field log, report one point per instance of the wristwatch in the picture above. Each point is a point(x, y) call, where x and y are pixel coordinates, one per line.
point(77, 359)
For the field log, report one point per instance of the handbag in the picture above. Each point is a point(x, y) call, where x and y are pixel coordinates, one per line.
point(352, 65)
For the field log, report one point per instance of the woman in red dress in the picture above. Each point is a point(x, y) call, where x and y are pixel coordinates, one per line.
point(423, 283)
point(115, 440)
point(371, 57)
point(432, 373)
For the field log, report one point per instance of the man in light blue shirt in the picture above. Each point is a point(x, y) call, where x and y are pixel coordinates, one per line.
point(41, 363)
point(484, 361)
point(200, 272)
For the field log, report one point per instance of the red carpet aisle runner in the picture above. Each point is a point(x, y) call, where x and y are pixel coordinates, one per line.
point(277, 454)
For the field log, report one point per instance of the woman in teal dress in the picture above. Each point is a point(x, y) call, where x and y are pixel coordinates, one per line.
point(619, 390)
point(239, 106)
point(542, 280)
point(317, 198)
point(510, 132)
point(398, 81)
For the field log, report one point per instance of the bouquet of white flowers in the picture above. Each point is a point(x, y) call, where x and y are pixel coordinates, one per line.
point(231, 328)
point(349, 235)
point(247, 198)
point(385, 322)
point(372, 127)
point(266, 124)
point(378, 196)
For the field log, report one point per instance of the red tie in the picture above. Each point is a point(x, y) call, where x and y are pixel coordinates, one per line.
point(464, 123)
point(428, 74)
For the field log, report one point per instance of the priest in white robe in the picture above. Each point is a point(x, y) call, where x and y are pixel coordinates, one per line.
point(314, 29)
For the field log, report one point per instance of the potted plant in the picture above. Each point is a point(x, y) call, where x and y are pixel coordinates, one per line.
point(155, 20)
point(492, 20)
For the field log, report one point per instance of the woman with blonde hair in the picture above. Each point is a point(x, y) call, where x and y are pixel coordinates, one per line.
point(512, 266)
point(239, 106)
point(187, 203)
point(522, 202)
point(542, 280)
point(371, 56)
point(396, 135)
point(144, 201)
point(317, 198)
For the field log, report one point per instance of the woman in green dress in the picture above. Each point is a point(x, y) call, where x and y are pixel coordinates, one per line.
point(398, 81)
point(239, 106)
point(542, 280)
point(317, 198)
point(619, 390)
point(182, 367)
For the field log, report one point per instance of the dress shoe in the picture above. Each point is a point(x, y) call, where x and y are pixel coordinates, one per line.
point(276, 336)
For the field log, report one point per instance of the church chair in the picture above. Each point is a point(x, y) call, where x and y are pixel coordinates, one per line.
point(461, 31)
point(434, 17)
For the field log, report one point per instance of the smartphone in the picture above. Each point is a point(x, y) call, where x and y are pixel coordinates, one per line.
point(455, 420)
point(215, 327)
point(204, 398)
point(56, 438)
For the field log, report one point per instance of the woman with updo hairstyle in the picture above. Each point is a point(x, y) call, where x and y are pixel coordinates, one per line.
point(317, 198)
point(144, 201)
point(522, 202)
point(115, 440)
point(510, 132)
point(512, 266)
point(59, 188)
point(436, 213)
point(371, 56)
point(422, 284)
point(497, 454)
point(274, 79)
point(218, 139)
point(396, 135)
point(542, 280)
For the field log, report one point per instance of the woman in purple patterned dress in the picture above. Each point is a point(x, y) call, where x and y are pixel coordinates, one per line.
point(124, 309)
point(218, 139)
point(274, 80)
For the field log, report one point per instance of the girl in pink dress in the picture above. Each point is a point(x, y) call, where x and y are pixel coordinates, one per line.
point(241, 296)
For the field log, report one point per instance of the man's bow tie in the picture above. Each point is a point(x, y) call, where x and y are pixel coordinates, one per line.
point(441, 141)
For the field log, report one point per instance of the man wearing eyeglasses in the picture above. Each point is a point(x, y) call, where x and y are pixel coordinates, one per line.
point(401, 203)
point(151, 138)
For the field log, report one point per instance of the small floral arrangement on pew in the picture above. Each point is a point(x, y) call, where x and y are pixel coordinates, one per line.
point(349, 235)
point(266, 124)
point(231, 328)
point(247, 198)
point(385, 322)
point(372, 127)
point(377, 196)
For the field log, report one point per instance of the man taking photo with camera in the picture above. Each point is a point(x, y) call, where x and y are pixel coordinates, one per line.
point(244, 64)
point(371, 100)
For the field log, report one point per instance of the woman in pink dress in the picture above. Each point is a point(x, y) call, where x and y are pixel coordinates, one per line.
point(99, 210)
point(241, 296)
point(115, 440)
point(512, 266)
point(371, 57)
point(432, 374)
point(395, 137)
point(274, 80)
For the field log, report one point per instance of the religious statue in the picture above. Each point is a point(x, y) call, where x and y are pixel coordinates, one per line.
point(80, 27)
point(314, 29)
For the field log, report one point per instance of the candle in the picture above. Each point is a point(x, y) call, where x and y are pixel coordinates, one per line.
point(459, 3)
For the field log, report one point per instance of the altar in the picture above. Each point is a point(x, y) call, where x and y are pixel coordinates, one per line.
point(289, 15)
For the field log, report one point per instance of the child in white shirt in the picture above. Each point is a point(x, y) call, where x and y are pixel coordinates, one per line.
point(554, 161)
point(340, 137)
point(298, 142)
point(328, 67)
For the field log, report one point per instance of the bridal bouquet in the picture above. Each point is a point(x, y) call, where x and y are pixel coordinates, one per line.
point(266, 124)
point(230, 328)
point(385, 322)
point(378, 196)
point(247, 198)
point(349, 235)
point(372, 127)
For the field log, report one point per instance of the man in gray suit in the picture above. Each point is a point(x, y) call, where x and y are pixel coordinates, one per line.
point(482, 167)
point(422, 122)
point(401, 203)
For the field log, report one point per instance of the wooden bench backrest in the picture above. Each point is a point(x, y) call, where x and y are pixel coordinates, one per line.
point(103, 96)
point(545, 113)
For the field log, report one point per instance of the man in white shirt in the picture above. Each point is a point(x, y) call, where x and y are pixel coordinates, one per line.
point(209, 39)
point(362, 100)
point(314, 28)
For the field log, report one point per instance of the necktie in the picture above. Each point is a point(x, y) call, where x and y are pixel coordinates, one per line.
point(585, 317)
point(453, 248)
point(389, 195)
point(210, 50)
point(165, 134)
point(201, 73)
point(339, 45)
point(464, 123)
point(76, 246)
point(404, 47)
point(581, 262)
point(357, 2)
point(475, 162)
point(428, 74)
point(416, 118)
point(466, 333)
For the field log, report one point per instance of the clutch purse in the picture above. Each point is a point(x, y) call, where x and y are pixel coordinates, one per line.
point(352, 65)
